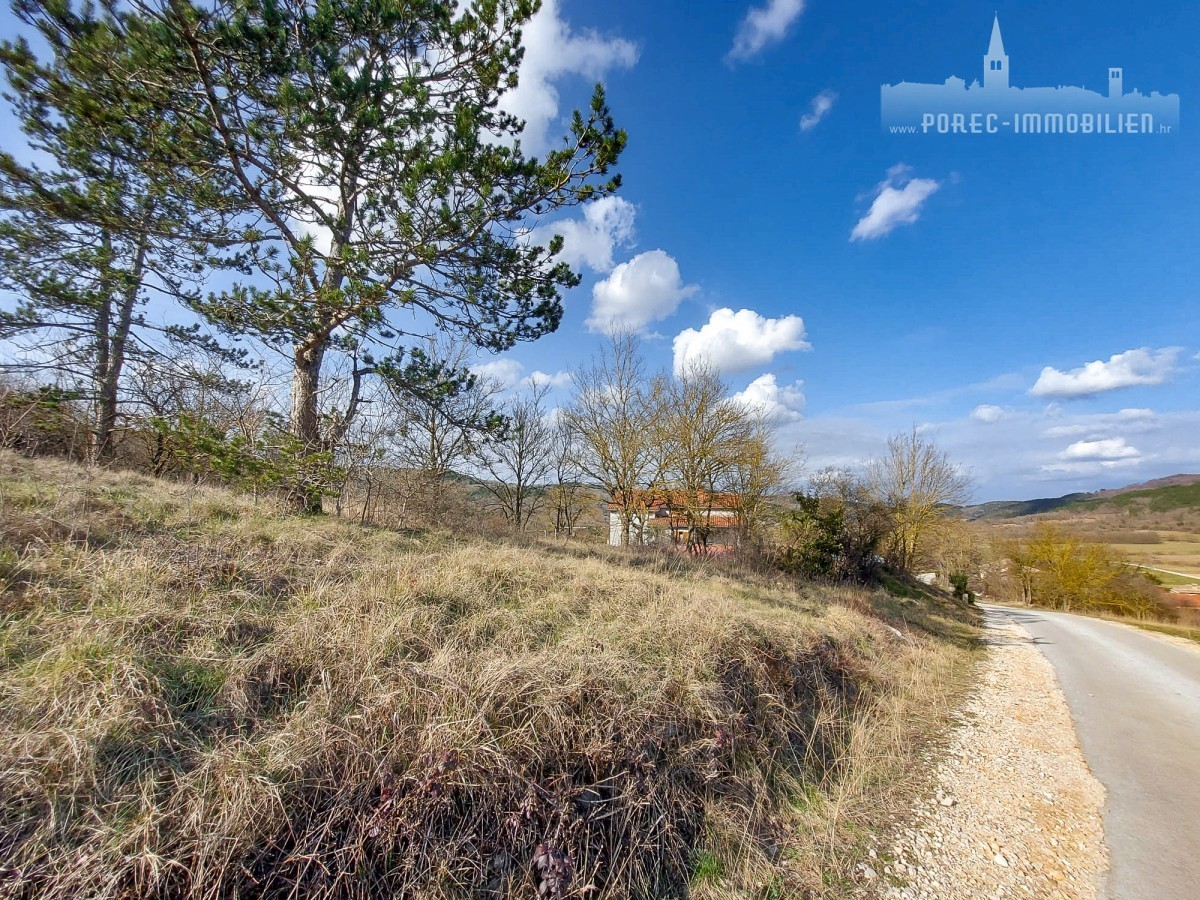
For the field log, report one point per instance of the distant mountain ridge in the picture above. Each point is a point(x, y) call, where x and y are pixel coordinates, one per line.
point(1169, 481)
point(1159, 494)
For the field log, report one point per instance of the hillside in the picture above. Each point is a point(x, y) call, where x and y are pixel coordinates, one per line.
point(200, 696)
point(1164, 498)
point(1181, 480)
point(1159, 495)
point(1011, 509)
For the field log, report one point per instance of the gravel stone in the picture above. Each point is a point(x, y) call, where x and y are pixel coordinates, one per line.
point(1016, 812)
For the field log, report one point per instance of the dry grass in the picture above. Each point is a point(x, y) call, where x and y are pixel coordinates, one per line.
point(200, 697)
point(1187, 632)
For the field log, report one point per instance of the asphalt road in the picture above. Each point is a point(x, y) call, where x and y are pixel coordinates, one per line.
point(1135, 699)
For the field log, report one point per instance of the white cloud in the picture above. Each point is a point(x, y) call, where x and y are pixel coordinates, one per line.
point(1023, 454)
point(764, 25)
point(821, 106)
point(551, 52)
point(1135, 415)
point(644, 290)
point(779, 403)
point(507, 372)
point(897, 201)
point(987, 413)
point(556, 381)
point(606, 224)
point(1088, 468)
point(736, 341)
point(1133, 367)
point(1102, 449)
point(1125, 421)
point(1062, 431)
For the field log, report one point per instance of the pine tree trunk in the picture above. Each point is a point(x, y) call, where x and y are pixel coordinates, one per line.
point(109, 386)
point(306, 422)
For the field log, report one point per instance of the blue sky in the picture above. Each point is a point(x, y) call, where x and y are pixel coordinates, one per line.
point(1022, 253)
point(1030, 302)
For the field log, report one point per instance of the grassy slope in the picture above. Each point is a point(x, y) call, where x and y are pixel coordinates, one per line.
point(1180, 631)
point(1160, 499)
point(202, 697)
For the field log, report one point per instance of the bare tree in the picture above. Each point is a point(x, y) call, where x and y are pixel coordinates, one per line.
point(611, 414)
point(569, 496)
point(916, 481)
point(759, 474)
point(520, 458)
point(701, 436)
point(365, 452)
point(167, 398)
point(438, 429)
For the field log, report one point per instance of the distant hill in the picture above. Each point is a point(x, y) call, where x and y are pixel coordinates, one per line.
point(1169, 497)
point(1160, 495)
point(1012, 509)
point(1169, 481)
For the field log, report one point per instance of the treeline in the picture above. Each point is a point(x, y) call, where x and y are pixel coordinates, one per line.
point(624, 433)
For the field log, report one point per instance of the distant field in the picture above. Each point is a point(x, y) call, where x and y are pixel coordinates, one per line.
point(1168, 579)
point(1174, 554)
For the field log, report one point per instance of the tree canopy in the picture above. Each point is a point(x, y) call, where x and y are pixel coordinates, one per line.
point(106, 210)
point(367, 139)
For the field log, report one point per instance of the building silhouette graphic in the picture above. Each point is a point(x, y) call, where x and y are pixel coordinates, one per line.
point(995, 64)
point(994, 105)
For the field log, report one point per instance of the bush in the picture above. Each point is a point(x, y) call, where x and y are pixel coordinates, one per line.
point(834, 533)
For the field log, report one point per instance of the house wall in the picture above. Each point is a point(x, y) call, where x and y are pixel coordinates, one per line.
point(614, 530)
point(636, 525)
point(723, 533)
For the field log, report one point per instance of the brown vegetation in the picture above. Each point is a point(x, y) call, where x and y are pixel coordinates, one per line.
point(202, 697)
point(1056, 569)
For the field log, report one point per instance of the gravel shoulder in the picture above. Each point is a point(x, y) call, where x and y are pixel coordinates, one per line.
point(1013, 810)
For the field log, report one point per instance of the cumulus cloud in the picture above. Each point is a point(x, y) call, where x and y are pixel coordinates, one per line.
point(556, 381)
point(776, 402)
point(1100, 450)
point(736, 341)
point(1133, 367)
point(606, 224)
point(553, 51)
point(822, 104)
point(646, 289)
point(764, 25)
point(506, 372)
point(897, 200)
point(987, 413)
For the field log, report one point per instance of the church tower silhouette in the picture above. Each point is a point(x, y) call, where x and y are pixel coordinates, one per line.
point(995, 64)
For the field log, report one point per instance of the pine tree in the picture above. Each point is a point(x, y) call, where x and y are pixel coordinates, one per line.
point(366, 136)
point(101, 220)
